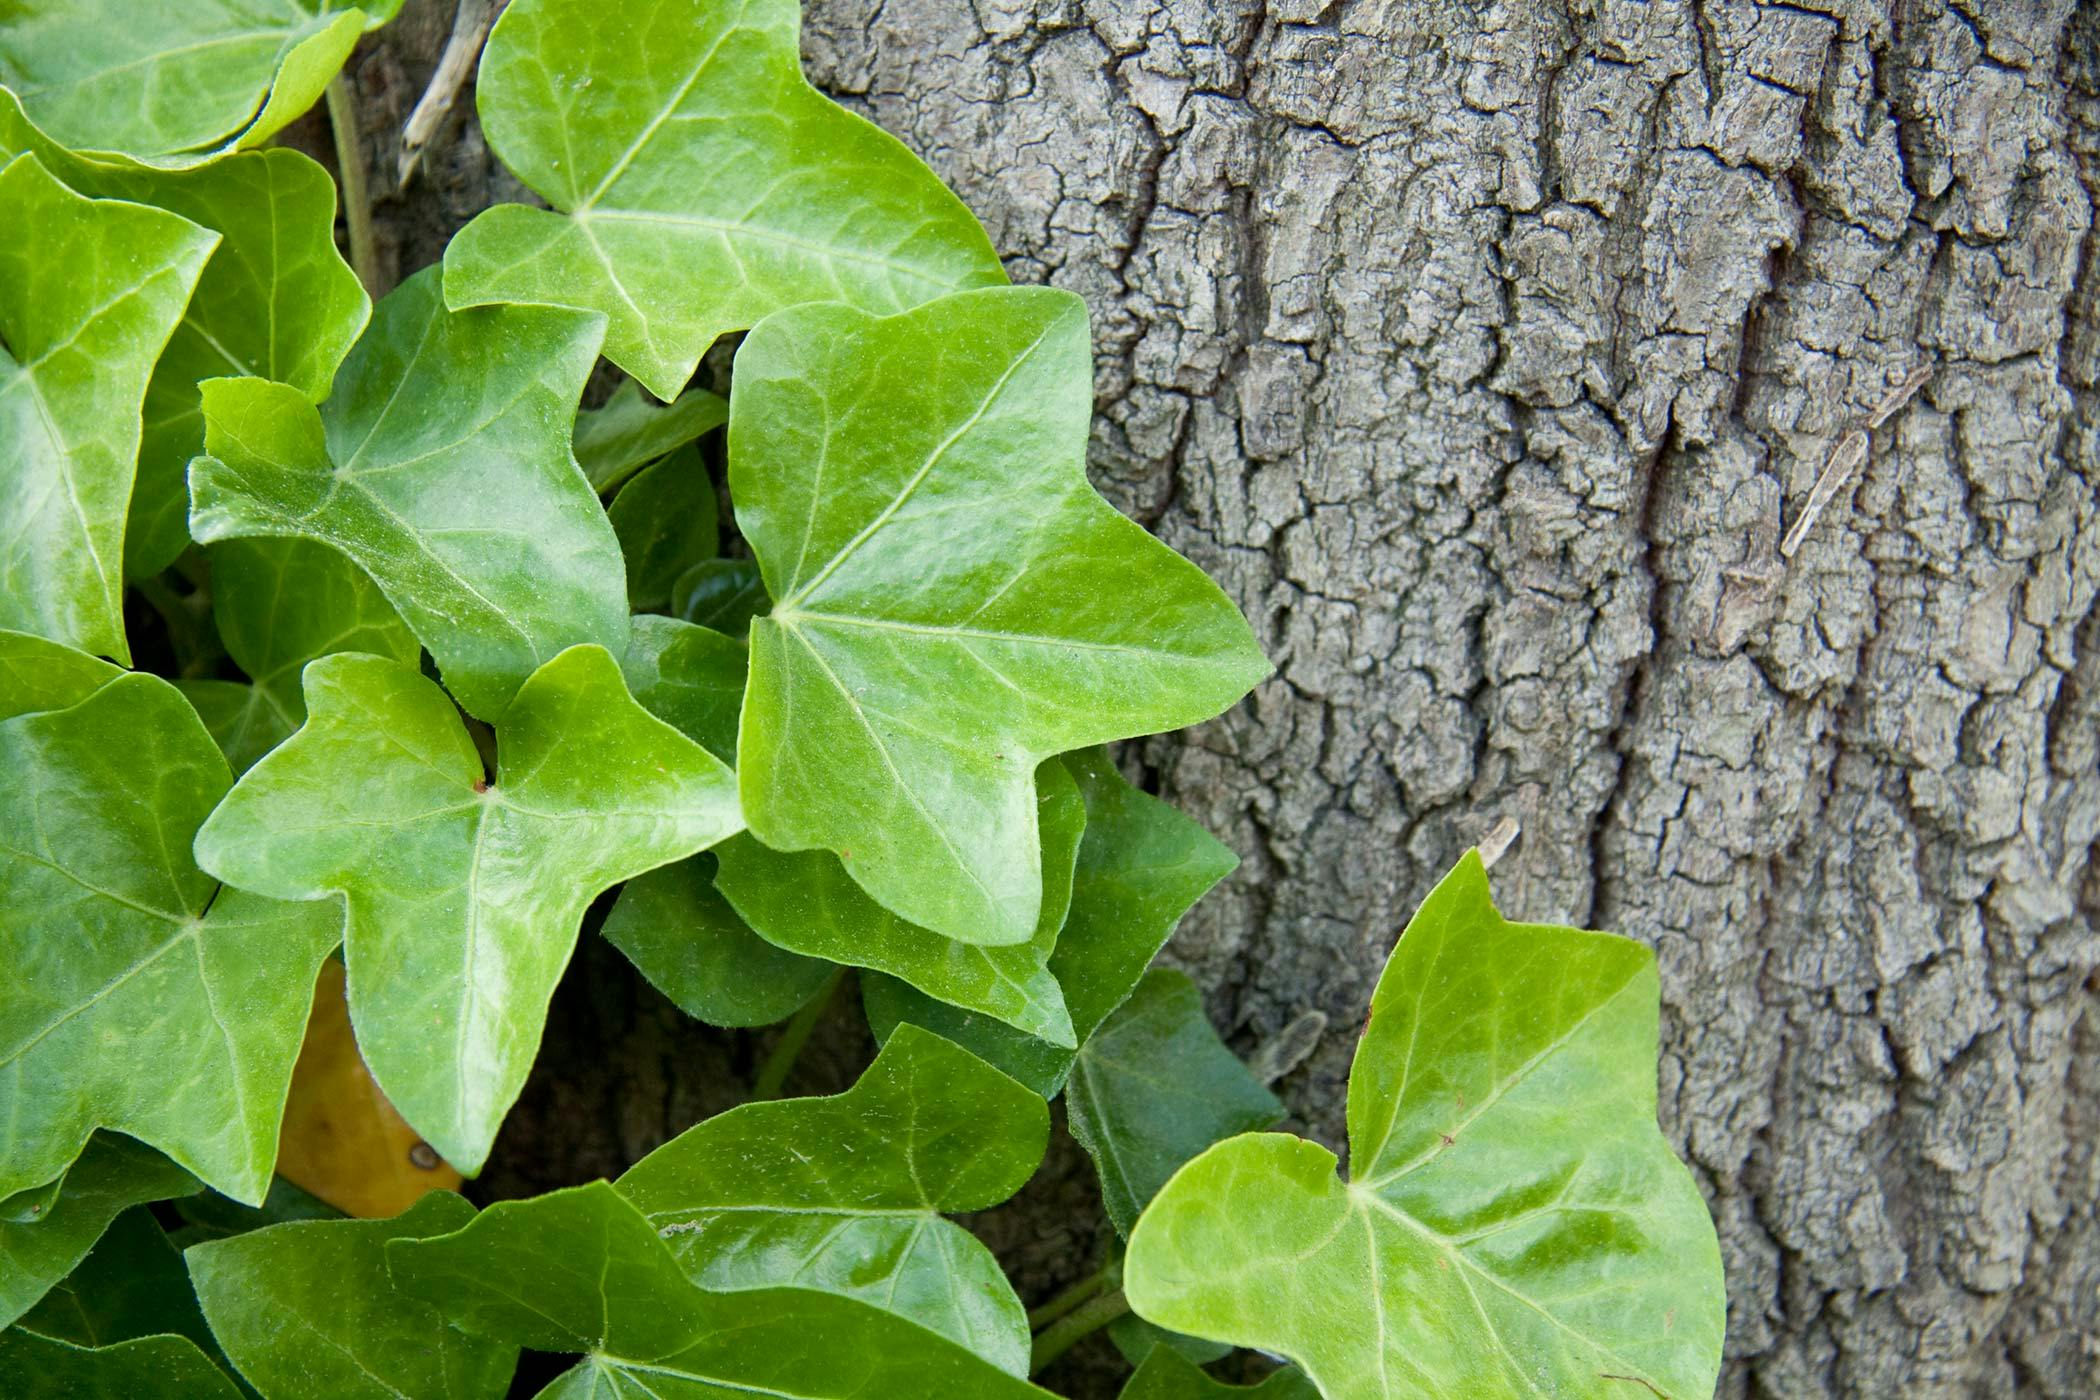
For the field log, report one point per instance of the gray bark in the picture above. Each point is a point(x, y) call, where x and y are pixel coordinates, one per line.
point(1486, 350)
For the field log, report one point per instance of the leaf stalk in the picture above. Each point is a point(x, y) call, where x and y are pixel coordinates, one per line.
point(350, 172)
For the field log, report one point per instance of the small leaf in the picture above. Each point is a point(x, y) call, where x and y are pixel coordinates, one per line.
point(847, 1193)
point(806, 902)
point(1508, 1185)
point(165, 1367)
point(630, 431)
point(211, 1216)
point(120, 963)
point(620, 1296)
point(954, 602)
point(1138, 1339)
point(1154, 1087)
point(308, 1312)
point(464, 896)
point(683, 936)
point(111, 1175)
point(131, 1284)
point(1168, 1376)
point(1142, 865)
point(665, 518)
point(90, 291)
point(688, 677)
point(441, 467)
point(721, 594)
point(698, 182)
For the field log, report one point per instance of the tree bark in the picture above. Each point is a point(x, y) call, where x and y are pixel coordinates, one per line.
point(1487, 351)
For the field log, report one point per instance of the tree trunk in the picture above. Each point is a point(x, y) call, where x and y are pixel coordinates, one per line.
point(1488, 351)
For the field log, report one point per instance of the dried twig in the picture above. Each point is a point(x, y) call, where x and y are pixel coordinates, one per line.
point(1845, 458)
point(1497, 841)
point(471, 22)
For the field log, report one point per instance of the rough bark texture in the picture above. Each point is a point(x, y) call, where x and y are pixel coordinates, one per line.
point(1486, 349)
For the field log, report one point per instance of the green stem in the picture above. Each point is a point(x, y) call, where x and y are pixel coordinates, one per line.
point(772, 1075)
point(1083, 1321)
point(1099, 1281)
point(350, 170)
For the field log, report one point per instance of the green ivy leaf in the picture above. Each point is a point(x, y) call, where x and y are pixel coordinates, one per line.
point(621, 1296)
point(464, 896)
point(1154, 1087)
point(1142, 865)
point(162, 79)
point(441, 467)
point(806, 902)
point(688, 677)
point(698, 182)
point(954, 602)
point(130, 1285)
point(307, 1312)
point(1508, 1185)
point(1167, 1376)
point(665, 518)
point(614, 442)
point(682, 935)
point(1138, 1339)
point(34, 1367)
point(721, 594)
point(130, 956)
point(279, 604)
point(111, 1175)
point(211, 1216)
point(36, 674)
point(89, 294)
point(847, 1194)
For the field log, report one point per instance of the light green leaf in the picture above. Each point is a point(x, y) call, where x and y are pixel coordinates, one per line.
point(630, 431)
point(721, 594)
point(678, 930)
point(847, 1194)
point(117, 962)
point(954, 603)
point(1154, 1087)
point(36, 674)
point(111, 1175)
point(1167, 1376)
point(464, 896)
point(34, 1367)
point(698, 182)
point(665, 518)
point(161, 79)
point(130, 1285)
point(688, 677)
point(1141, 866)
point(441, 467)
point(581, 1270)
point(1508, 1186)
point(307, 1312)
point(90, 291)
point(806, 902)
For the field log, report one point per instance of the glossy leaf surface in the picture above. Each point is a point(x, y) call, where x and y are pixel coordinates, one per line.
point(126, 954)
point(1509, 1186)
point(665, 518)
point(464, 895)
point(1167, 1376)
point(806, 902)
point(1154, 1087)
point(698, 182)
point(690, 678)
point(582, 1270)
point(721, 594)
point(90, 291)
point(441, 467)
point(308, 1312)
point(676, 928)
point(847, 1193)
point(631, 430)
point(111, 1175)
point(1141, 866)
point(954, 602)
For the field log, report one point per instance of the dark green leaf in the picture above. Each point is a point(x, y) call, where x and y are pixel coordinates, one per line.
point(683, 936)
point(166, 1368)
point(631, 431)
point(688, 677)
point(132, 1284)
point(1138, 1339)
point(722, 594)
point(665, 518)
point(112, 1174)
point(211, 1216)
point(1167, 1376)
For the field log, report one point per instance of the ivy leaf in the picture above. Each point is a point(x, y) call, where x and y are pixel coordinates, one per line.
point(1138, 1339)
point(682, 935)
point(1142, 865)
point(699, 183)
point(806, 902)
point(278, 604)
point(166, 78)
point(464, 896)
point(847, 1194)
point(211, 1216)
point(1508, 1185)
point(89, 293)
point(307, 1312)
point(954, 602)
point(111, 1175)
point(721, 594)
point(581, 1270)
point(122, 943)
point(665, 518)
point(1154, 1087)
point(36, 674)
point(441, 467)
point(688, 677)
point(614, 442)
point(34, 1367)
point(130, 1285)
point(1167, 1376)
